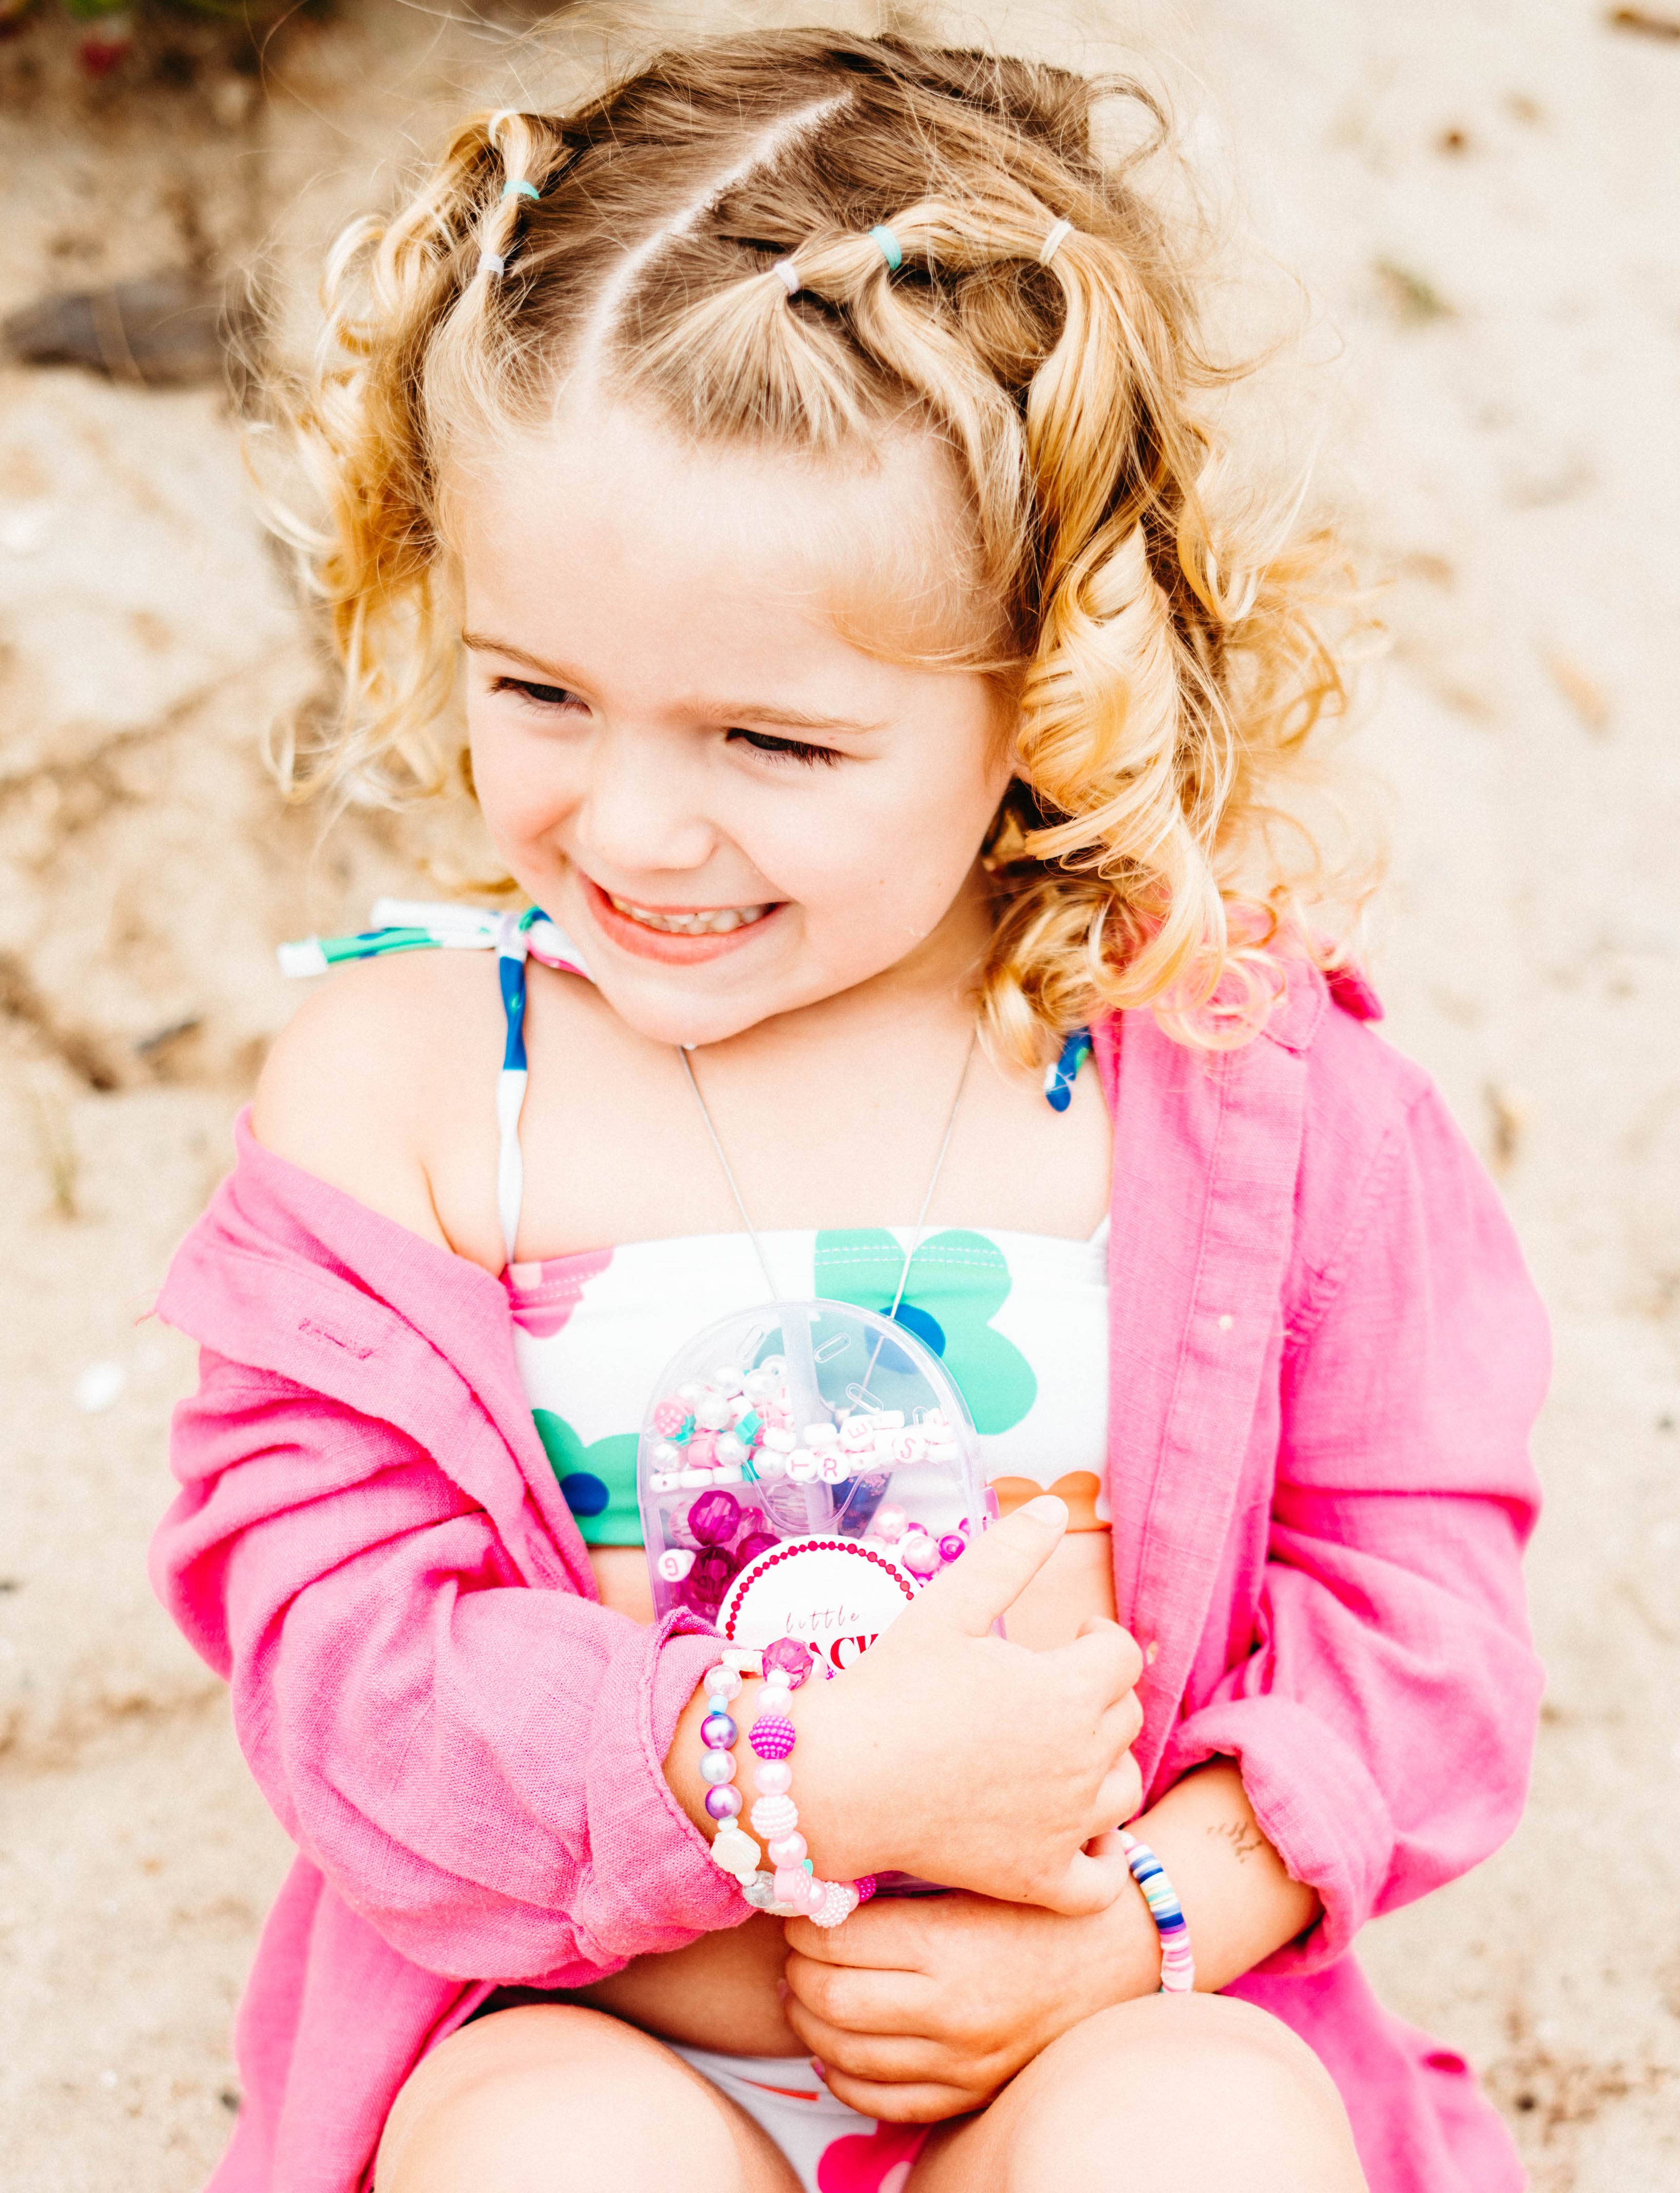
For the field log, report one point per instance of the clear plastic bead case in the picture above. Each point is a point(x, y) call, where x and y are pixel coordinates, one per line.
point(805, 1469)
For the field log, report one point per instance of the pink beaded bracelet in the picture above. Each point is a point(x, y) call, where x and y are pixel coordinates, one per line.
point(791, 1889)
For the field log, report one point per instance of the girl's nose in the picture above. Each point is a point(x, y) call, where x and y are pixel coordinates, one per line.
point(643, 809)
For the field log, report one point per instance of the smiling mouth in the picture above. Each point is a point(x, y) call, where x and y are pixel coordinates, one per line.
point(707, 921)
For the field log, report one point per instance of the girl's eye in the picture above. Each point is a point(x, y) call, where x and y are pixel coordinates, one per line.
point(788, 749)
point(544, 697)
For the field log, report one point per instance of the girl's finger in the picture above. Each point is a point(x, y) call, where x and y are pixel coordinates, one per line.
point(1087, 1886)
point(924, 2102)
point(890, 2059)
point(861, 2001)
point(872, 1939)
point(1104, 1653)
point(1121, 1796)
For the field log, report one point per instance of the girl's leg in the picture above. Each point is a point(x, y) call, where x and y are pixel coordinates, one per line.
point(1186, 2094)
point(548, 2097)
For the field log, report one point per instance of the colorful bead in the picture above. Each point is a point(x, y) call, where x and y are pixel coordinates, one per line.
point(891, 1522)
point(792, 1884)
point(773, 1777)
point(714, 1518)
point(722, 1682)
point(756, 1542)
point(951, 1545)
point(673, 1420)
point(772, 1736)
point(791, 1659)
point(919, 1554)
point(1178, 1962)
point(718, 1731)
point(865, 1885)
point(837, 1902)
point(717, 1767)
point(723, 1800)
point(787, 1850)
point(735, 1852)
point(771, 1816)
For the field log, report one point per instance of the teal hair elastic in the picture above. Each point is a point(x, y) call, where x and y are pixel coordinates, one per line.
point(887, 245)
point(521, 189)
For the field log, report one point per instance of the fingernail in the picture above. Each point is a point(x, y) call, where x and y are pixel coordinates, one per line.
point(820, 2068)
point(1049, 1508)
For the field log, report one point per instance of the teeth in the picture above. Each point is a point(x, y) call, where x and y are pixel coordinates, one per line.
point(714, 921)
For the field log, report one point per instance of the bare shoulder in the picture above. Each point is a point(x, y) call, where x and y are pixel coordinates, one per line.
point(388, 1061)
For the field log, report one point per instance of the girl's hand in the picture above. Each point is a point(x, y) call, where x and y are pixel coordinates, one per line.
point(923, 2008)
point(946, 1752)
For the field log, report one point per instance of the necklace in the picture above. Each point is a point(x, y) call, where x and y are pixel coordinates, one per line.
point(916, 1231)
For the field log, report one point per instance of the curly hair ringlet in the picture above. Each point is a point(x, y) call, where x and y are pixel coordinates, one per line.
point(701, 232)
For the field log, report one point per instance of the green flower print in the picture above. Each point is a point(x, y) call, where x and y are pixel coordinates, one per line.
point(599, 1481)
point(958, 1282)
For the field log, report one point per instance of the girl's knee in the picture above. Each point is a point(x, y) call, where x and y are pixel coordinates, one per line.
point(1198, 2090)
point(552, 2097)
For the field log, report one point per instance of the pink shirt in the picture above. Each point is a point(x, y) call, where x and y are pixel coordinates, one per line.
point(1325, 1359)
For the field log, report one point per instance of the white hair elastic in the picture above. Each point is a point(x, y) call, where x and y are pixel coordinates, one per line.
point(492, 262)
point(1053, 242)
point(788, 275)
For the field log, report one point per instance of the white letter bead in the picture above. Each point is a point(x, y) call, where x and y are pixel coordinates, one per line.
point(784, 1442)
point(834, 1466)
point(801, 1467)
point(674, 1564)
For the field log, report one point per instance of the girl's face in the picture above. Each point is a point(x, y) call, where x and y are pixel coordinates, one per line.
point(731, 809)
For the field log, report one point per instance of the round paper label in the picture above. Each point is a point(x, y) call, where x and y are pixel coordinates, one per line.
point(832, 1594)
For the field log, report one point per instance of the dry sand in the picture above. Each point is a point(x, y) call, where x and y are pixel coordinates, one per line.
point(1482, 201)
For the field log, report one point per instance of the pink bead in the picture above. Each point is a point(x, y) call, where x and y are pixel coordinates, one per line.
point(952, 1546)
point(772, 1778)
point(919, 1554)
point(700, 1451)
point(771, 1816)
point(864, 1886)
point(722, 1682)
point(890, 1523)
point(788, 1850)
point(772, 1736)
point(717, 1767)
point(673, 1421)
point(793, 1885)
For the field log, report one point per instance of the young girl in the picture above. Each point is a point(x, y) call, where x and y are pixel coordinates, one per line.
point(801, 459)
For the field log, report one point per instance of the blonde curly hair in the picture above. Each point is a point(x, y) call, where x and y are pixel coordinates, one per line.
point(700, 233)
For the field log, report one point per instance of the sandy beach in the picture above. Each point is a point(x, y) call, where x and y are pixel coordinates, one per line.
point(1480, 202)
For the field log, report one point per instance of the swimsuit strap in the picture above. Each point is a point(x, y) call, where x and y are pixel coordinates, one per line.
point(396, 925)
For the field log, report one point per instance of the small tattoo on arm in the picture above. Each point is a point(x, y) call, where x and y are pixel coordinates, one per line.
point(1243, 1836)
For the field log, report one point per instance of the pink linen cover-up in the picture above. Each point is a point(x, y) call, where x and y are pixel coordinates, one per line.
point(1325, 1359)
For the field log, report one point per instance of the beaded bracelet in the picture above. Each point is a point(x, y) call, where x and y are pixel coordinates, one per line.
point(1178, 1963)
point(792, 1889)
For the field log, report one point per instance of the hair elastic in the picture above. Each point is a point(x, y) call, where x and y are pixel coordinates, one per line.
point(519, 188)
point(1053, 242)
point(788, 275)
point(888, 247)
point(492, 262)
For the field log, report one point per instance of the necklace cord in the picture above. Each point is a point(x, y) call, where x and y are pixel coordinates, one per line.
point(916, 1232)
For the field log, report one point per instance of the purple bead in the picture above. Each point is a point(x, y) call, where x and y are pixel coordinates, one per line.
point(724, 1803)
point(951, 1545)
point(715, 1517)
point(794, 1658)
point(718, 1731)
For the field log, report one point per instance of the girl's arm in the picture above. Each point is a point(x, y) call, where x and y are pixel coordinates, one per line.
point(1371, 1741)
